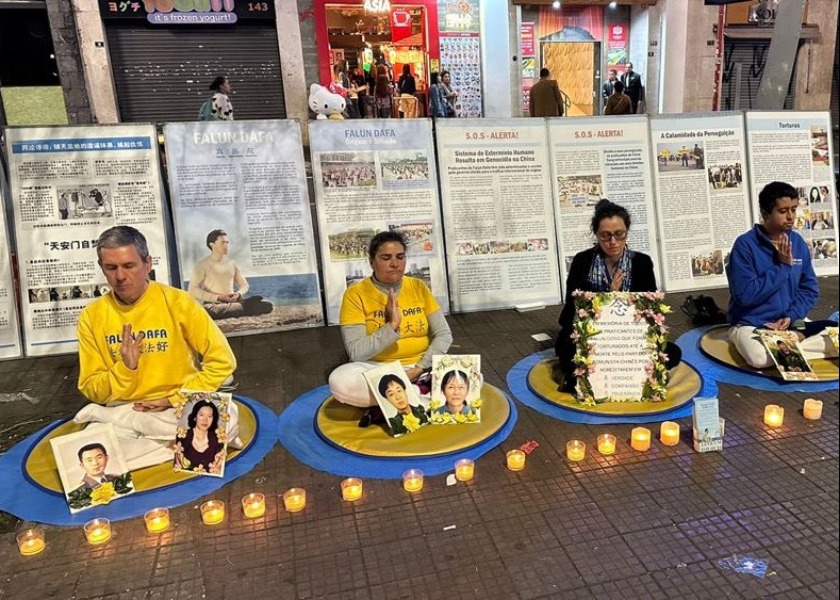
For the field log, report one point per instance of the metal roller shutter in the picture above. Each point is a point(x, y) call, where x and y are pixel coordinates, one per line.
point(163, 74)
point(743, 65)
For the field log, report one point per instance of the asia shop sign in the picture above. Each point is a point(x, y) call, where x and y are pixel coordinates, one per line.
point(186, 12)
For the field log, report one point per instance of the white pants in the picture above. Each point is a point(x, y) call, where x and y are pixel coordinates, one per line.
point(146, 438)
point(349, 386)
point(749, 345)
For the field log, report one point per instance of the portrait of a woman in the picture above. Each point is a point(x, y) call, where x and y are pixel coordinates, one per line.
point(455, 386)
point(199, 448)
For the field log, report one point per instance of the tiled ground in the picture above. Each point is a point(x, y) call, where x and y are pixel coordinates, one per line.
point(633, 525)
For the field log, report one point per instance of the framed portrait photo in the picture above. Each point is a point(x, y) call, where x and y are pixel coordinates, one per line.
point(202, 435)
point(402, 406)
point(783, 347)
point(456, 389)
point(91, 467)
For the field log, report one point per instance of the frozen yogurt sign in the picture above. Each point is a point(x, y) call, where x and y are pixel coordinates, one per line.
point(190, 11)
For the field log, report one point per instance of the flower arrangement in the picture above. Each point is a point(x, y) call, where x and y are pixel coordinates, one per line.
point(84, 497)
point(648, 306)
point(411, 423)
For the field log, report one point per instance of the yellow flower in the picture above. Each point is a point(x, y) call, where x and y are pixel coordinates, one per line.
point(460, 418)
point(103, 494)
point(477, 403)
point(472, 417)
point(411, 422)
point(447, 418)
point(437, 418)
point(435, 404)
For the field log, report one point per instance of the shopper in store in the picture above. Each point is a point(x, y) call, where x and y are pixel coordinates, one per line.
point(437, 100)
point(383, 91)
point(449, 94)
point(545, 97)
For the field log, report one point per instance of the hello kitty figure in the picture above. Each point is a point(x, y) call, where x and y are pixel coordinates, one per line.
point(324, 103)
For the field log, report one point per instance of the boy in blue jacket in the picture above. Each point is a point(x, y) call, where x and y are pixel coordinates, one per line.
point(771, 278)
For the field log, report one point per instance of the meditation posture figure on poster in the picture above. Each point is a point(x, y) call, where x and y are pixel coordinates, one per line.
point(141, 343)
point(771, 278)
point(383, 318)
point(93, 458)
point(609, 266)
point(409, 417)
point(200, 449)
point(220, 286)
point(455, 386)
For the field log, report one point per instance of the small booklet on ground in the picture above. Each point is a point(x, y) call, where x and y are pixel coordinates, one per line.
point(708, 426)
point(783, 347)
point(402, 406)
point(456, 389)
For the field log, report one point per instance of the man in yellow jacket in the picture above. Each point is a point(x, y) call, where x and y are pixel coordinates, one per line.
point(139, 345)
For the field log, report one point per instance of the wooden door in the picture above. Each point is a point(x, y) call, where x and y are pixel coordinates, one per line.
point(572, 64)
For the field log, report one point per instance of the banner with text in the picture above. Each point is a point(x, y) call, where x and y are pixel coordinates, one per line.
point(370, 176)
point(703, 200)
point(242, 223)
point(601, 157)
point(68, 185)
point(797, 147)
point(500, 242)
point(9, 329)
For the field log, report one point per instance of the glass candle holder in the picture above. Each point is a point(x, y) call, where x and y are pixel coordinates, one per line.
point(515, 460)
point(575, 450)
point(31, 541)
point(640, 439)
point(253, 505)
point(351, 489)
point(606, 444)
point(774, 415)
point(213, 512)
point(413, 480)
point(669, 433)
point(294, 499)
point(157, 520)
point(98, 531)
point(812, 409)
point(464, 469)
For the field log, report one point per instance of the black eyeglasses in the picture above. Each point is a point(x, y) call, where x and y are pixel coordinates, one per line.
point(618, 236)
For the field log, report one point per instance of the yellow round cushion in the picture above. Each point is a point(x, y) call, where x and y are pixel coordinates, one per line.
point(683, 385)
point(339, 424)
point(716, 345)
point(41, 467)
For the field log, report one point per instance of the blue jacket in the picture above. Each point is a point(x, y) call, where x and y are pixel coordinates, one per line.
point(763, 288)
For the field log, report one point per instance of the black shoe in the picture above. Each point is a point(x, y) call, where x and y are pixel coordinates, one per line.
point(372, 416)
point(569, 385)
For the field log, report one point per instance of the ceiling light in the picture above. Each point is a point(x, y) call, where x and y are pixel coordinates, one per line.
point(556, 4)
point(613, 4)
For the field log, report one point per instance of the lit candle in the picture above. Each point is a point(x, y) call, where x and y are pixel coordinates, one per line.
point(351, 489)
point(669, 433)
point(213, 512)
point(606, 444)
point(812, 409)
point(253, 505)
point(464, 469)
point(575, 450)
point(98, 531)
point(31, 541)
point(774, 415)
point(157, 520)
point(294, 499)
point(515, 460)
point(413, 480)
point(640, 439)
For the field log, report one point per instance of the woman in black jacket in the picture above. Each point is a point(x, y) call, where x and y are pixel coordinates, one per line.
point(609, 266)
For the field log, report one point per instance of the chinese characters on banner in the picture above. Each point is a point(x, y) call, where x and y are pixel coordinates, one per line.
point(68, 185)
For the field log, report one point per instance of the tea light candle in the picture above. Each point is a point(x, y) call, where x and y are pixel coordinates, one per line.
point(575, 450)
point(253, 505)
point(157, 520)
point(812, 409)
point(669, 433)
point(640, 439)
point(774, 415)
point(31, 541)
point(98, 531)
point(351, 489)
point(213, 512)
point(464, 469)
point(294, 499)
point(606, 444)
point(413, 480)
point(515, 460)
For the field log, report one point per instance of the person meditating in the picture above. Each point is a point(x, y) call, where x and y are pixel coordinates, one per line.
point(141, 343)
point(455, 386)
point(771, 277)
point(409, 417)
point(383, 318)
point(200, 449)
point(609, 266)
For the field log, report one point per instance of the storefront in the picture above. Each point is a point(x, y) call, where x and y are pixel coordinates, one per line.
point(164, 57)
